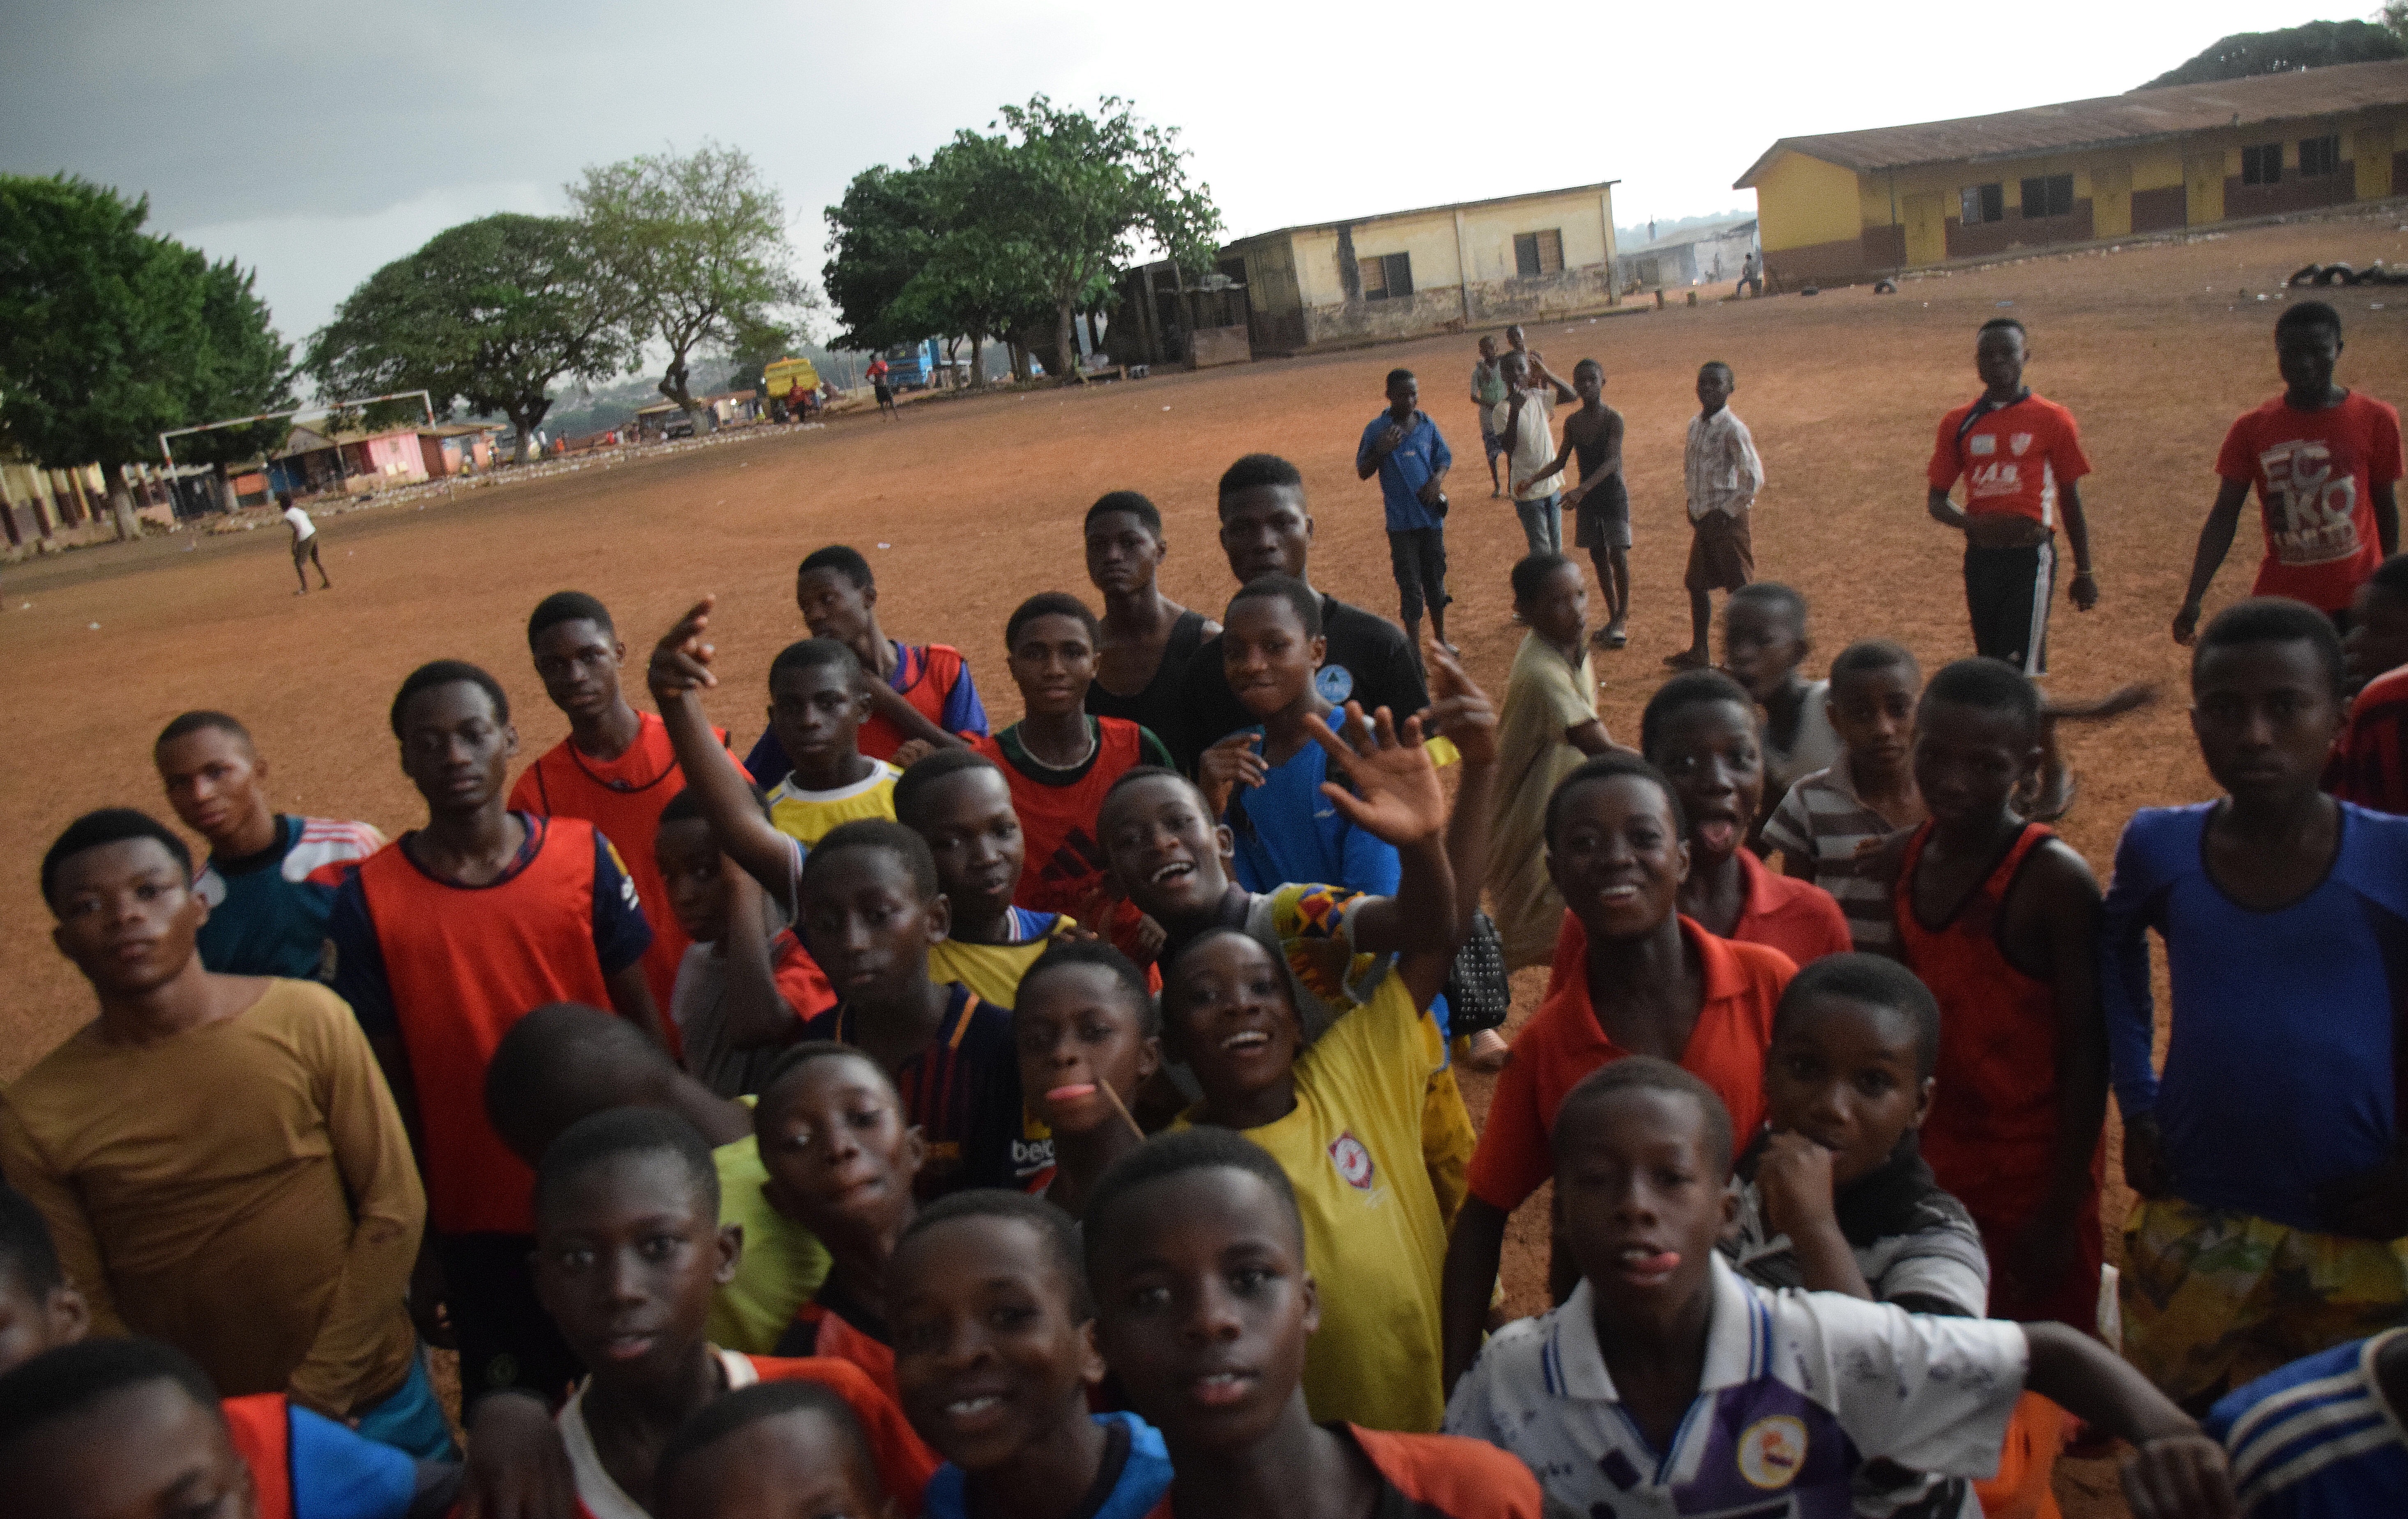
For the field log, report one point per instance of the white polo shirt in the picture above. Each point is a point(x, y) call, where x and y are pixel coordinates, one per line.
point(1799, 1390)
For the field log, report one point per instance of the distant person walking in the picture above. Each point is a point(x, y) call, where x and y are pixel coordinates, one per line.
point(1404, 448)
point(1487, 393)
point(1530, 446)
point(305, 544)
point(878, 387)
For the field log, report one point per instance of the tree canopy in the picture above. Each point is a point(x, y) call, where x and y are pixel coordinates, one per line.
point(490, 313)
point(2314, 45)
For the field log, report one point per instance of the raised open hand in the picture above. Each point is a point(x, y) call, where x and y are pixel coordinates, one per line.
point(1390, 788)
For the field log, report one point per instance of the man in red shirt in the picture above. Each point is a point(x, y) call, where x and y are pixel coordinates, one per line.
point(2019, 456)
point(616, 768)
point(2326, 462)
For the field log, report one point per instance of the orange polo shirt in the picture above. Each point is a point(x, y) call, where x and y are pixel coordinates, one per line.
point(1799, 918)
point(1564, 1042)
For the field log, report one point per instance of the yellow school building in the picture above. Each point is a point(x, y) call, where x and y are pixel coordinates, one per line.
point(1849, 205)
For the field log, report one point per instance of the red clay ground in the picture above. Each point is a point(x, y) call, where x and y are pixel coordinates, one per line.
point(967, 507)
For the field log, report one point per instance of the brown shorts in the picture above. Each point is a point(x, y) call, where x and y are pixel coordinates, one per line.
point(1722, 556)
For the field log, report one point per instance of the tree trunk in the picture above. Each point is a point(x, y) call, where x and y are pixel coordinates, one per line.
point(120, 503)
point(221, 487)
point(978, 363)
point(1066, 344)
point(673, 382)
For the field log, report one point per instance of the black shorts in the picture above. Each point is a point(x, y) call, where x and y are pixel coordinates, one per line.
point(2007, 595)
point(1601, 519)
point(506, 1337)
point(885, 397)
point(1418, 557)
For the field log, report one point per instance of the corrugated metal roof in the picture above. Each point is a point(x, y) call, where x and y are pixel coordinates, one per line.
point(2136, 116)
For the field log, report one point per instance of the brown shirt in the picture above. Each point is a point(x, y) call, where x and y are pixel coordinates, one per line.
point(243, 1191)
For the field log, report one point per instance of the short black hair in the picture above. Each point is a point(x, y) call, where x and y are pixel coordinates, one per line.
point(1130, 502)
point(2308, 314)
point(725, 1415)
point(791, 1061)
point(1259, 469)
point(1287, 588)
point(1588, 364)
point(194, 722)
point(1866, 655)
point(27, 1252)
point(686, 806)
point(1064, 954)
point(566, 607)
point(562, 1063)
point(1056, 1228)
point(2000, 324)
point(818, 653)
point(2271, 620)
point(1051, 604)
point(615, 1132)
point(844, 560)
point(1872, 979)
point(2392, 576)
point(1992, 685)
point(1531, 572)
point(911, 791)
point(108, 825)
point(62, 1383)
point(1206, 1147)
point(444, 672)
point(1719, 364)
point(1395, 374)
point(1690, 688)
point(1786, 599)
point(1606, 768)
point(1645, 1073)
point(1139, 775)
point(879, 833)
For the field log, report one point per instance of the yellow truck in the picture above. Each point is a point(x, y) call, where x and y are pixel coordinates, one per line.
point(795, 382)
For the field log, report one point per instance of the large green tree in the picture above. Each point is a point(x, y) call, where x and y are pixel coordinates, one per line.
point(978, 277)
point(2311, 46)
point(880, 236)
point(491, 314)
point(699, 241)
point(111, 335)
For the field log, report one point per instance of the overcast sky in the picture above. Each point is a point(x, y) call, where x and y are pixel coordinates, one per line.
point(318, 141)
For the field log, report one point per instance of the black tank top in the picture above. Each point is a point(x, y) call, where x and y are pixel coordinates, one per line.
point(1155, 708)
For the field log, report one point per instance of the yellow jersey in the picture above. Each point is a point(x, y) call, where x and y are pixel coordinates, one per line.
point(809, 816)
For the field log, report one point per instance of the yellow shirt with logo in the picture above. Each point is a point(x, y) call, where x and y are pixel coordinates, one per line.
point(1372, 1235)
point(994, 970)
point(809, 816)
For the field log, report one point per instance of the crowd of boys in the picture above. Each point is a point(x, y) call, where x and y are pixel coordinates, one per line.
point(1061, 1122)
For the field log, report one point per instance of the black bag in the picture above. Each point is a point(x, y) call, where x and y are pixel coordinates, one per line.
point(1477, 994)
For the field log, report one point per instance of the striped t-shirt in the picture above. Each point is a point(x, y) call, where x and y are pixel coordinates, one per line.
point(1824, 820)
point(2317, 1438)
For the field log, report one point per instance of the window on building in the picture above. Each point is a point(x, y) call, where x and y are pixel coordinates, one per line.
point(1389, 278)
point(2262, 165)
point(1537, 252)
point(1983, 203)
point(2319, 156)
point(2051, 194)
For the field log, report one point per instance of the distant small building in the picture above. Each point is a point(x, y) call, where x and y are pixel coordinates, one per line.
point(1846, 205)
point(1438, 269)
point(1703, 254)
point(361, 462)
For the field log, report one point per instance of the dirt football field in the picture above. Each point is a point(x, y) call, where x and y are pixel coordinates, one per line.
point(967, 507)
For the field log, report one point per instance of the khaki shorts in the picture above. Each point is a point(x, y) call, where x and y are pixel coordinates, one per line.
point(1722, 555)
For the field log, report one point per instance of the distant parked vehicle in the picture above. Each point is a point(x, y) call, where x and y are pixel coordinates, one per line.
point(680, 424)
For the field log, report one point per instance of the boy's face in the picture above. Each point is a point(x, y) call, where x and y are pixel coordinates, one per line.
point(1514, 370)
point(1709, 749)
point(1266, 656)
point(1845, 1074)
point(1167, 853)
point(1589, 383)
point(1639, 1199)
point(212, 778)
point(968, 822)
point(1761, 645)
point(2378, 633)
point(1873, 713)
point(834, 608)
point(1714, 387)
point(1075, 1028)
point(579, 662)
point(2307, 357)
point(1513, 336)
point(816, 710)
point(1999, 358)
point(2264, 715)
point(455, 748)
point(990, 1357)
point(1617, 857)
point(1488, 348)
point(797, 1465)
point(33, 1322)
point(1053, 662)
point(627, 1255)
point(148, 1451)
point(1203, 1306)
point(1404, 395)
point(1559, 613)
point(1123, 553)
point(1969, 761)
point(126, 915)
point(868, 926)
point(1232, 1017)
point(1265, 530)
point(839, 1151)
point(695, 875)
